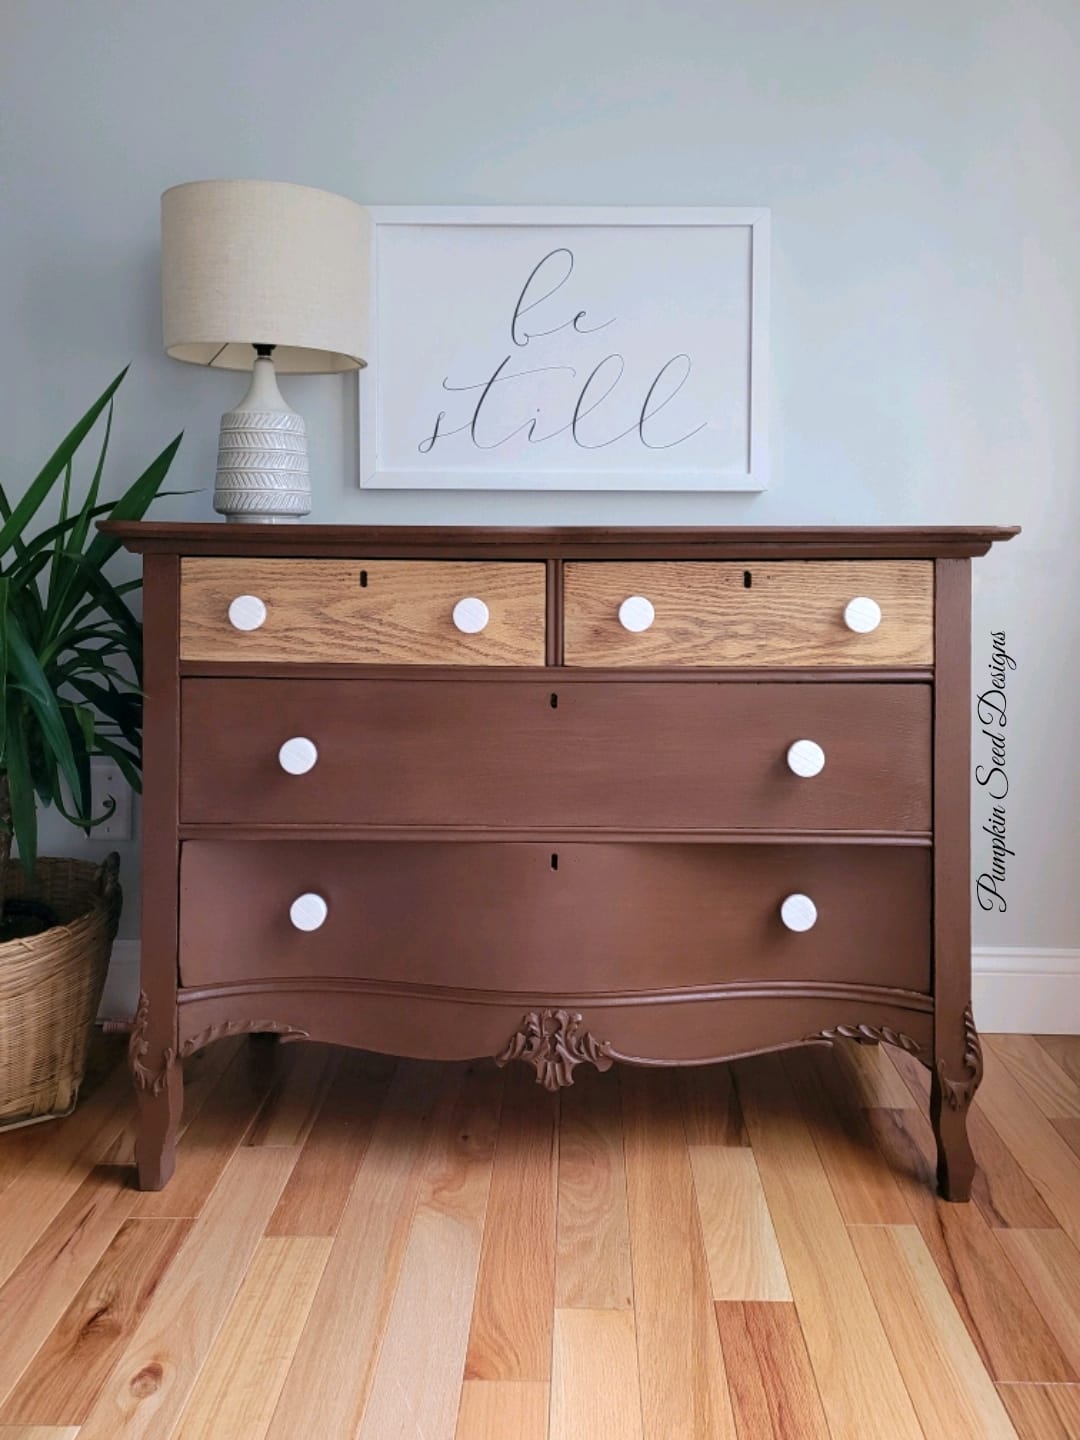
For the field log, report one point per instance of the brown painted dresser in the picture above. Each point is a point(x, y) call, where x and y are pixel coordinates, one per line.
point(655, 797)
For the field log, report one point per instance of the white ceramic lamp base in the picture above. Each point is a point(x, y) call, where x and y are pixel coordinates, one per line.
point(262, 468)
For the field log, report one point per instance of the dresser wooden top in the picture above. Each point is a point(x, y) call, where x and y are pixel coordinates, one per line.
point(752, 542)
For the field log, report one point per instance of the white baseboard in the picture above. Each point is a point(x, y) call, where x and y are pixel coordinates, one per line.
point(1015, 991)
point(1021, 992)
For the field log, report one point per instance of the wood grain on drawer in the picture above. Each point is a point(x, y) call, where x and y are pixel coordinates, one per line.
point(785, 613)
point(557, 754)
point(549, 918)
point(369, 612)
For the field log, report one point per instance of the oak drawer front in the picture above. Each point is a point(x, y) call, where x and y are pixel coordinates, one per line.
point(633, 755)
point(553, 918)
point(785, 613)
point(369, 612)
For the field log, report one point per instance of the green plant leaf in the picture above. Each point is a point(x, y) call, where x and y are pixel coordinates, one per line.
point(123, 707)
point(4, 585)
point(21, 786)
point(79, 720)
point(70, 644)
point(128, 760)
point(133, 503)
point(36, 492)
point(29, 677)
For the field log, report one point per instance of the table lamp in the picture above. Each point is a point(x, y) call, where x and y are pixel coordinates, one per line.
point(263, 276)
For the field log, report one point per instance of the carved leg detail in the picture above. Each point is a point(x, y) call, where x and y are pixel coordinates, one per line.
point(952, 1089)
point(160, 1108)
point(159, 1094)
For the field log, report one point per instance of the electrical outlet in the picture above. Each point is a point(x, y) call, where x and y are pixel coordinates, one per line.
point(107, 783)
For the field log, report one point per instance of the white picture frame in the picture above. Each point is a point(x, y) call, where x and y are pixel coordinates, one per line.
point(670, 304)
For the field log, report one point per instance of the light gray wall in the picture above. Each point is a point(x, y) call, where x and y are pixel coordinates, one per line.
point(922, 161)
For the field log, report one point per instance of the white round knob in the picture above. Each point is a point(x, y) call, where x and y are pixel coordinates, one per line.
point(636, 614)
point(798, 912)
point(806, 758)
point(308, 912)
point(862, 615)
point(298, 755)
point(247, 612)
point(471, 615)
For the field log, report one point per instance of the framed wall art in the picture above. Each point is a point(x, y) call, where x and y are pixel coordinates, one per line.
point(523, 348)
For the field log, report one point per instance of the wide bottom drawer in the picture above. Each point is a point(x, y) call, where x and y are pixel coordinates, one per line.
point(586, 918)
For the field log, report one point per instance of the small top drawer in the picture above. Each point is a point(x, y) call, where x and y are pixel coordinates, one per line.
point(726, 613)
point(363, 612)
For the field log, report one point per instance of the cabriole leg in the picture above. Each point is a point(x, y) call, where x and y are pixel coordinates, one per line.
point(954, 1080)
point(159, 1092)
point(158, 1123)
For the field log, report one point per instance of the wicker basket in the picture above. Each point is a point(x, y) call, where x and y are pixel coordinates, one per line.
point(51, 984)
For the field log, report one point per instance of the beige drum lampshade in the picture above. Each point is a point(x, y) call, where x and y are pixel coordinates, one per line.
point(246, 262)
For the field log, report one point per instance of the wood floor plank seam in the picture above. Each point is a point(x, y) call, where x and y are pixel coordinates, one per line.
point(322, 1393)
point(823, 1097)
point(301, 1192)
point(513, 1314)
point(424, 1342)
point(408, 1214)
point(148, 1388)
point(87, 1343)
point(849, 1350)
point(66, 1252)
point(952, 1391)
point(1054, 1092)
point(633, 1285)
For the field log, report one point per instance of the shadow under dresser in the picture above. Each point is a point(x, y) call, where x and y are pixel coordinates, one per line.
point(655, 797)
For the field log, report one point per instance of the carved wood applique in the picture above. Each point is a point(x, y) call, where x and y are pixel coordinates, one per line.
point(869, 1035)
point(958, 1094)
point(138, 1046)
point(554, 1044)
point(147, 1078)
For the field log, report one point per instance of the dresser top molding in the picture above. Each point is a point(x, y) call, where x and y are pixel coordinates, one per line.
point(736, 542)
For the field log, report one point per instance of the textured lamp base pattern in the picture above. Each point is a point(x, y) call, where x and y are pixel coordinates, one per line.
point(262, 469)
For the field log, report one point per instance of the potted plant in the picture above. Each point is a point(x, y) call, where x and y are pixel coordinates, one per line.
point(70, 674)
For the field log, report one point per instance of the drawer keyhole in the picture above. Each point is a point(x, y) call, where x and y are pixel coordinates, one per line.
point(747, 579)
point(554, 862)
point(363, 579)
point(554, 701)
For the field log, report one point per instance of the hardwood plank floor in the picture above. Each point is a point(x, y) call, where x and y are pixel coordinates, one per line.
point(514, 1307)
point(39, 1289)
point(145, 1394)
point(365, 1249)
point(594, 1380)
point(498, 1409)
point(857, 1371)
point(681, 1367)
point(239, 1385)
point(84, 1346)
point(1010, 1333)
point(1040, 1412)
point(740, 1243)
point(773, 1390)
point(327, 1387)
point(951, 1389)
point(422, 1354)
point(592, 1255)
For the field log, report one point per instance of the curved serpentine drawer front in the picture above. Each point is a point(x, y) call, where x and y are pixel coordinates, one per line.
point(363, 612)
point(660, 613)
point(561, 919)
point(557, 754)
